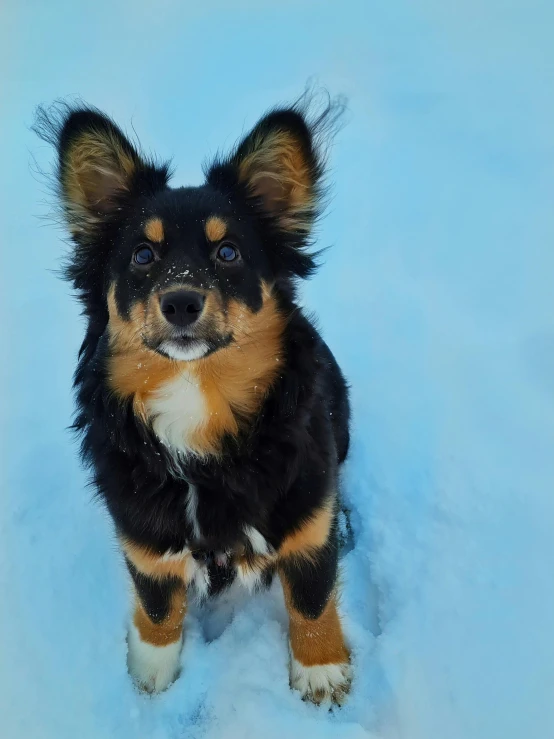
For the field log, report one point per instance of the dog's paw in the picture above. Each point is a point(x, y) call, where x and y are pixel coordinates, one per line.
point(321, 683)
point(152, 668)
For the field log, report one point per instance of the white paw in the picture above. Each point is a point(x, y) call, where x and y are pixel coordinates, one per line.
point(321, 683)
point(152, 668)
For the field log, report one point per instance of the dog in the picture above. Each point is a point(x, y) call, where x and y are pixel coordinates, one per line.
point(213, 416)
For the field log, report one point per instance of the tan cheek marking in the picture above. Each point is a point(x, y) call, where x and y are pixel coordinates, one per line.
point(215, 228)
point(311, 536)
point(124, 333)
point(235, 380)
point(167, 631)
point(317, 641)
point(154, 230)
point(134, 370)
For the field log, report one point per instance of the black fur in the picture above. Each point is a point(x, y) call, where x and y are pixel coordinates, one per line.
point(311, 581)
point(155, 593)
point(274, 476)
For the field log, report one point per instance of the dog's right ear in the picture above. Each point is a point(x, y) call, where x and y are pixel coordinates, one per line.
point(99, 169)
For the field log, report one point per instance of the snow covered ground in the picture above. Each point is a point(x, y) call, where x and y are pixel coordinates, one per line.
point(437, 299)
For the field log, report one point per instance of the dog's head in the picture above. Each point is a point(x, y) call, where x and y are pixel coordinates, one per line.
point(187, 271)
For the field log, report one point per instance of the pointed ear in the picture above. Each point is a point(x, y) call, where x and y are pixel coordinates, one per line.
point(279, 164)
point(98, 167)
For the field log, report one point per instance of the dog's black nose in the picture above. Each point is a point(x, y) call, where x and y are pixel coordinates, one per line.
point(182, 307)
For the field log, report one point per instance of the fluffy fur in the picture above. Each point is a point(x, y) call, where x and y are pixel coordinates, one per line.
point(214, 440)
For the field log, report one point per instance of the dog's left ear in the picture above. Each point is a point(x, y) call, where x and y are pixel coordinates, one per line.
point(278, 164)
point(97, 165)
point(99, 170)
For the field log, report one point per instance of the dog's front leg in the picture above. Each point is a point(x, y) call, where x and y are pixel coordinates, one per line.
point(320, 660)
point(155, 634)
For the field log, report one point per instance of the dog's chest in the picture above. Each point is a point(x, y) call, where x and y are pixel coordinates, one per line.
point(177, 410)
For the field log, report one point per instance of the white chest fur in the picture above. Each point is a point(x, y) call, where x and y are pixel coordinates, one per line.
point(176, 410)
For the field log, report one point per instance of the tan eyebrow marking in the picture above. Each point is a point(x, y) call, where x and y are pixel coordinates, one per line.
point(215, 228)
point(154, 230)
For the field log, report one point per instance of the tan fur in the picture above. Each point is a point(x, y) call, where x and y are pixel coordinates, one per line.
point(154, 230)
point(96, 166)
point(305, 542)
point(167, 631)
point(277, 171)
point(317, 641)
point(215, 228)
point(311, 536)
point(254, 564)
point(133, 369)
point(234, 380)
point(150, 563)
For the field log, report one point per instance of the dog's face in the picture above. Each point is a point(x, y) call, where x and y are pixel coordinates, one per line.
point(186, 271)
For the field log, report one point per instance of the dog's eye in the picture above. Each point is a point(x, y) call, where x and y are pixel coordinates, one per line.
point(143, 256)
point(227, 252)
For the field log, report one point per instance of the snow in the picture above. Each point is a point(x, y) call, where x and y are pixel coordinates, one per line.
point(437, 299)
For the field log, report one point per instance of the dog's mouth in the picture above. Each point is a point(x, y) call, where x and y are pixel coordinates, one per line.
point(183, 348)
point(176, 333)
point(189, 348)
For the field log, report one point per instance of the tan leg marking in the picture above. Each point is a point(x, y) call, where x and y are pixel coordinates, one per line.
point(320, 660)
point(167, 631)
point(311, 536)
point(317, 641)
point(154, 646)
point(150, 563)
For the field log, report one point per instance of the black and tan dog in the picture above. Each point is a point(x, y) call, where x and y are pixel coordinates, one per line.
point(212, 414)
